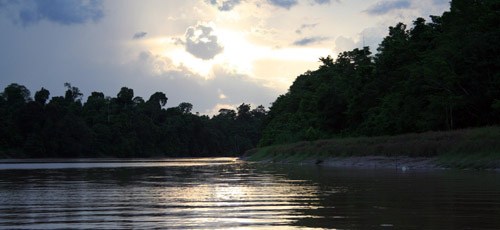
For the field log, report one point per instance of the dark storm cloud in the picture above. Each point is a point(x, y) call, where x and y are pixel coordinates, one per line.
point(224, 5)
point(139, 35)
point(201, 42)
point(384, 7)
point(305, 26)
point(64, 12)
point(308, 41)
point(287, 4)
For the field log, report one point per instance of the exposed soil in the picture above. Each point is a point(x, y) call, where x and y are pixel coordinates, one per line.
point(404, 163)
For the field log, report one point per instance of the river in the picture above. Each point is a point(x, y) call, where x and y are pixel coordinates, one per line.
point(223, 193)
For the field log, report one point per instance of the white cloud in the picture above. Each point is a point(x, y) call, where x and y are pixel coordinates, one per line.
point(368, 37)
point(181, 84)
point(215, 110)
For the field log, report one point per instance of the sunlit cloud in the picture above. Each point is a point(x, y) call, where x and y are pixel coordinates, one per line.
point(221, 95)
point(240, 56)
point(224, 5)
point(206, 52)
point(201, 41)
point(370, 37)
point(217, 107)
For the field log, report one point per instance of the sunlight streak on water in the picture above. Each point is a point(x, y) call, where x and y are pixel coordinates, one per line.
point(222, 193)
point(178, 193)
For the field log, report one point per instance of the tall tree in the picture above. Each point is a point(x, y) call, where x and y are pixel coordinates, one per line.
point(42, 96)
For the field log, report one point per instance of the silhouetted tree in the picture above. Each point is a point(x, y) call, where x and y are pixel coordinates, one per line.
point(42, 96)
point(185, 107)
point(124, 97)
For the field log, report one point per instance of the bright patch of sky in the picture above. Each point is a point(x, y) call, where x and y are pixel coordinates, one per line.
point(211, 53)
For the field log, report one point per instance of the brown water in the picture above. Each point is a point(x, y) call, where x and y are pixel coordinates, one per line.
point(222, 193)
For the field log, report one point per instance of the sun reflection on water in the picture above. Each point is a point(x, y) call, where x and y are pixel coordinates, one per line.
point(231, 199)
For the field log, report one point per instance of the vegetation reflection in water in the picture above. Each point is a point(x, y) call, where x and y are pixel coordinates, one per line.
point(228, 194)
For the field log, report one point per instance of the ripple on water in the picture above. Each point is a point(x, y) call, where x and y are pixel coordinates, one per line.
point(226, 194)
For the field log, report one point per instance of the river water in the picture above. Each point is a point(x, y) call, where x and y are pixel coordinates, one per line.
point(223, 193)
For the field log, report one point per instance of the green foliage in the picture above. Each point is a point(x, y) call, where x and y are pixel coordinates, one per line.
point(476, 148)
point(437, 75)
point(119, 127)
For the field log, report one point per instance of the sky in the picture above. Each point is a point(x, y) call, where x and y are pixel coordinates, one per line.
point(211, 53)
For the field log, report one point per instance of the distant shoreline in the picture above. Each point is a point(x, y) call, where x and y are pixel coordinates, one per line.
point(477, 149)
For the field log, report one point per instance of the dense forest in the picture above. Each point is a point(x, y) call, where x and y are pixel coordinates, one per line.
point(437, 75)
point(122, 126)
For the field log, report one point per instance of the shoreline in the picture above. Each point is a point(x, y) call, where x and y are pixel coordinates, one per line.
point(374, 162)
point(367, 162)
point(475, 149)
point(404, 163)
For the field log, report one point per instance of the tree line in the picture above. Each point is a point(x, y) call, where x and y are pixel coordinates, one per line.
point(121, 126)
point(437, 75)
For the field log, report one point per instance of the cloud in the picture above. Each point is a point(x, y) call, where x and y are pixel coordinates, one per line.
point(384, 7)
point(221, 95)
point(287, 4)
point(310, 40)
point(201, 42)
point(305, 26)
point(139, 35)
point(368, 37)
point(224, 5)
point(181, 84)
point(322, 1)
point(64, 12)
point(228, 5)
point(216, 108)
point(345, 44)
point(441, 2)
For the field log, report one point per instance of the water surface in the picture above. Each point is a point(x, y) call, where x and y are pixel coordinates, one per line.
point(222, 193)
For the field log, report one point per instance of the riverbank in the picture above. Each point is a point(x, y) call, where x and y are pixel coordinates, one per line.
point(477, 148)
point(403, 163)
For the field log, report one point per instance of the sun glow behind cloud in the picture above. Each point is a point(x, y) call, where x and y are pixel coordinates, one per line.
point(243, 57)
point(256, 44)
point(248, 58)
point(258, 51)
